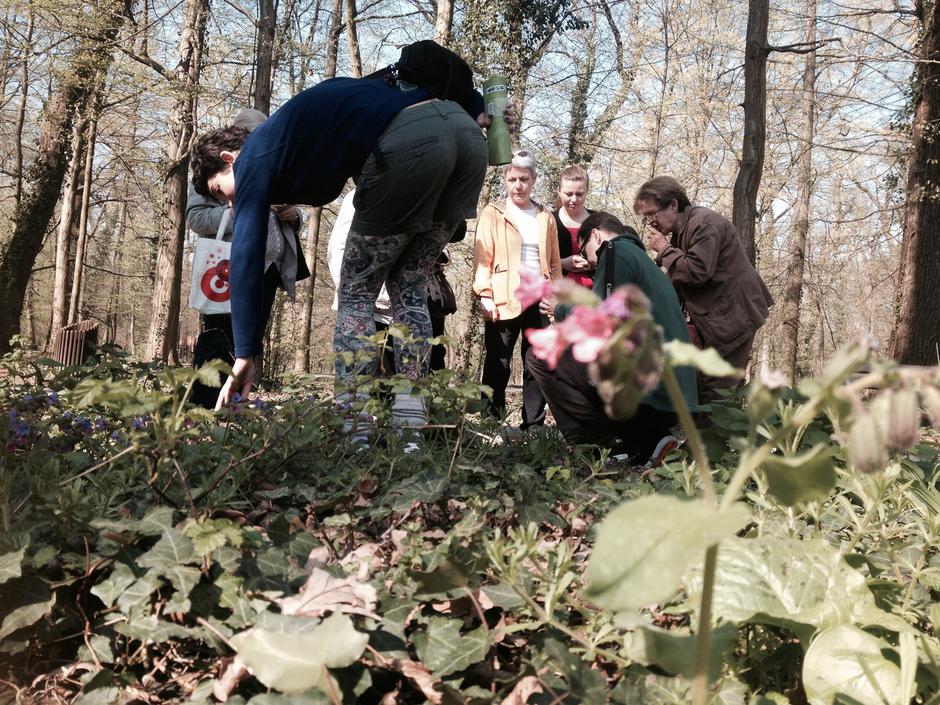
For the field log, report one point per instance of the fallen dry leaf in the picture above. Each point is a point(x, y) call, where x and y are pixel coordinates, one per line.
point(325, 593)
point(524, 689)
point(421, 676)
point(231, 674)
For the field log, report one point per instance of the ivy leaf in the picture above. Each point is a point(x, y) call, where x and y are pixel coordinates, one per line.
point(645, 546)
point(168, 558)
point(445, 650)
point(707, 360)
point(846, 664)
point(801, 478)
point(425, 487)
point(11, 565)
point(799, 585)
point(25, 601)
point(293, 662)
point(112, 587)
point(154, 523)
point(675, 653)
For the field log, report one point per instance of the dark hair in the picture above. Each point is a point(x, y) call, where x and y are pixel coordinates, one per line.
point(206, 160)
point(664, 190)
point(601, 221)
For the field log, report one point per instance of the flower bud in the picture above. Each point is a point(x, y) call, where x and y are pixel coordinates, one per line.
point(931, 397)
point(866, 446)
point(903, 429)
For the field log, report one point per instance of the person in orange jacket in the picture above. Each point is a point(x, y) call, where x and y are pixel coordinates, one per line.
point(511, 237)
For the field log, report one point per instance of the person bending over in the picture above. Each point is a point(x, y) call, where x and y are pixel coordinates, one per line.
point(419, 164)
point(619, 258)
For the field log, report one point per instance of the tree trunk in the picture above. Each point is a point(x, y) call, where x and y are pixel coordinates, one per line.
point(79, 268)
point(747, 184)
point(302, 353)
point(264, 56)
point(352, 36)
point(793, 286)
point(917, 334)
point(302, 361)
point(162, 337)
point(67, 224)
point(21, 109)
point(41, 191)
point(444, 22)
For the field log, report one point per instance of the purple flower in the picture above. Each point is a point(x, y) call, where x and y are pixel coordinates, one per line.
point(83, 424)
point(100, 424)
point(236, 397)
point(27, 397)
point(259, 403)
point(53, 398)
point(116, 436)
point(67, 416)
point(139, 423)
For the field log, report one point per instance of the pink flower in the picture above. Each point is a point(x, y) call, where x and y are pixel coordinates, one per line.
point(532, 288)
point(587, 329)
point(615, 305)
point(547, 344)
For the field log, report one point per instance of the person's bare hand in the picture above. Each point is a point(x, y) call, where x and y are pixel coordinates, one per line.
point(488, 309)
point(285, 212)
point(547, 306)
point(509, 113)
point(240, 381)
point(580, 264)
point(657, 241)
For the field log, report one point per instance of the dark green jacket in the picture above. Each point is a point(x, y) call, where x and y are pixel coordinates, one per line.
point(632, 265)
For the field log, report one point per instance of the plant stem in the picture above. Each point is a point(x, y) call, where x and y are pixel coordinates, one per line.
point(691, 432)
point(700, 678)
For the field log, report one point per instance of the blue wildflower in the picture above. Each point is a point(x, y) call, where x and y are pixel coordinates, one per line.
point(259, 403)
point(100, 424)
point(83, 424)
point(236, 397)
point(116, 436)
point(67, 416)
point(139, 423)
point(27, 397)
point(53, 398)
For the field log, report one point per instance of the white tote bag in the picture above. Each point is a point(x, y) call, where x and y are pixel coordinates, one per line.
point(209, 292)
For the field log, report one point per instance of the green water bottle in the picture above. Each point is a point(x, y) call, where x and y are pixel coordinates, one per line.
point(497, 134)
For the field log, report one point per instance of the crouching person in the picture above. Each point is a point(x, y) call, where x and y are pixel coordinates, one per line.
point(620, 258)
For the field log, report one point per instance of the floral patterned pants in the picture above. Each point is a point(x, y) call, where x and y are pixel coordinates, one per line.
point(403, 262)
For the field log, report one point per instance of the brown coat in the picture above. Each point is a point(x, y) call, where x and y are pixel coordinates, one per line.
point(497, 252)
point(722, 292)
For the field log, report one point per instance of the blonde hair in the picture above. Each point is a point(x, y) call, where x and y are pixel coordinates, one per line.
point(572, 172)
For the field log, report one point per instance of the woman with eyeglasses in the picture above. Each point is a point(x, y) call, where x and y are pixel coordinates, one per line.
point(570, 213)
point(723, 295)
point(513, 236)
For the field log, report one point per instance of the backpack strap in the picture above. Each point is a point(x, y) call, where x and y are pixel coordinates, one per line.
point(608, 247)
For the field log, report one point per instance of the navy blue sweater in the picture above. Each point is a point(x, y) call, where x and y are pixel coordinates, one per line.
point(302, 154)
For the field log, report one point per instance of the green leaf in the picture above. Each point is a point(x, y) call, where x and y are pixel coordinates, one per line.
point(800, 585)
point(645, 546)
point(295, 662)
point(156, 522)
point(801, 478)
point(24, 601)
point(11, 565)
point(445, 650)
point(846, 664)
point(675, 653)
point(110, 589)
point(168, 558)
point(425, 487)
point(707, 360)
